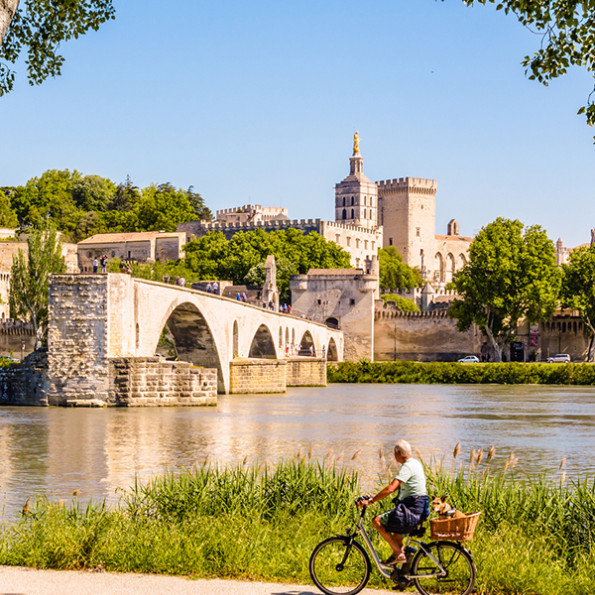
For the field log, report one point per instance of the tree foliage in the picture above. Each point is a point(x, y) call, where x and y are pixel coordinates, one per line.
point(241, 259)
point(578, 288)
point(567, 31)
point(37, 29)
point(394, 273)
point(80, 206)
point(511, 275)
point(28, 297)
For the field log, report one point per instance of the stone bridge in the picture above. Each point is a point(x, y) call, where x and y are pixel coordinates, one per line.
point(98, 319)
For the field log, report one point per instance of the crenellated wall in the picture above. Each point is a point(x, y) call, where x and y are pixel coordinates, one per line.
point(420, 336)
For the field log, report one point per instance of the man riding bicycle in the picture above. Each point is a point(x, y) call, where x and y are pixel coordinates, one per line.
point(411, 504)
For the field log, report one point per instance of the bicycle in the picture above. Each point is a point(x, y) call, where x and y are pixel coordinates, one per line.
point(340, 565)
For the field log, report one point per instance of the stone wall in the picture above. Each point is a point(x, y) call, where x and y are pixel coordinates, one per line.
point(25, 383)
point(153, 381)
point(309, 372)
point(15, 338)
point(421, 336)
point(257, 376)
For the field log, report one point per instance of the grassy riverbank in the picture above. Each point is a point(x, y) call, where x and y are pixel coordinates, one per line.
point(262, 523)
point(454, 373)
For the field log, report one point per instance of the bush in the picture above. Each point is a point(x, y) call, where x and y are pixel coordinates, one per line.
point(455, 373)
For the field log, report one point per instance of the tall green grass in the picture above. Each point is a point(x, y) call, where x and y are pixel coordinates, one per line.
point(455, 373)
point(259, 522)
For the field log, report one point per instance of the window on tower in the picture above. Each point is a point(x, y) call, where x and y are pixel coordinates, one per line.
point(344, 214)
point(353, 200)
point(364, 214)
point(352, 214)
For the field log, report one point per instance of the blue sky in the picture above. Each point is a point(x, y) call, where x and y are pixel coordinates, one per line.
point(257, 102)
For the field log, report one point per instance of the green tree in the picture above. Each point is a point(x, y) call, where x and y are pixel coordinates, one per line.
point(511, 275)
point(162, 208)
point(126, 197)
point(38, 27)
point(394, 273)
point(578, 289)
point(201, 211)
point(567, 31)
point(93, 193)
point(28, 296)
point(8, 218)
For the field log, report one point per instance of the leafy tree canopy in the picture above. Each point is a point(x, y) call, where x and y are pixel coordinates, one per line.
point(567, 31)
point(37, 28)
point(80, 206)
point(511, 275)
point(241, 259)
point(578, 288)
point(394, 273)
point(401, 302)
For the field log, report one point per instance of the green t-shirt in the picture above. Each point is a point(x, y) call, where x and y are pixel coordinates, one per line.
point(413, 479)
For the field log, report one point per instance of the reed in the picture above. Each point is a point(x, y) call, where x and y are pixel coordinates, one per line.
point(258, 521)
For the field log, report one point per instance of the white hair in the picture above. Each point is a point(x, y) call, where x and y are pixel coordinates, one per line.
point(403, 448)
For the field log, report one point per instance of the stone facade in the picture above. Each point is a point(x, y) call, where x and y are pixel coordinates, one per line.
point(311, 372)
point(145, 246)
point(153, 381)
point(340, 298)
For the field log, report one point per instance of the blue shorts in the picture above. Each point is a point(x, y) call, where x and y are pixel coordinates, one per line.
point(406, 515)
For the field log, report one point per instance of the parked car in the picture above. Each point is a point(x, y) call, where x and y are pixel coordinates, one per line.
point(469, 359)
point(559, 358)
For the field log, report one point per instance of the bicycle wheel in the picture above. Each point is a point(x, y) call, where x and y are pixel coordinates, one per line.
point(459, 576)
point(338, 568)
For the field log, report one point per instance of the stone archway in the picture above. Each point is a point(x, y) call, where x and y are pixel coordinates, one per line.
point(306, 347)
point(263, 346)
point(332, 322)
point(332, 354)
point(193, 339)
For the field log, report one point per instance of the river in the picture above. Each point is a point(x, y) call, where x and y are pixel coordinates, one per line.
point(53, 451)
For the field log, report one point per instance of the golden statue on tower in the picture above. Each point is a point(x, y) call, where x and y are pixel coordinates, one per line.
point(356, 143)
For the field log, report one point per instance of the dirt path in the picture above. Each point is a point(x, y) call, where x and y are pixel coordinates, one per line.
point(27, 581)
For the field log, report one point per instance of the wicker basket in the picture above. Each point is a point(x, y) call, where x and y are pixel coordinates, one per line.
point(460, 529)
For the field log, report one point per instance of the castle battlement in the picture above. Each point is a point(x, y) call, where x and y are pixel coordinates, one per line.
point(423, 185)
point(346, 226)
point(242, 209)
point(251, 225)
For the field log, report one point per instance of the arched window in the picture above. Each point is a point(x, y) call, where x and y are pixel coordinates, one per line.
point(343, 201)
point(353, 200)
point(344, 214)
point(364, 216)
point(352, 213)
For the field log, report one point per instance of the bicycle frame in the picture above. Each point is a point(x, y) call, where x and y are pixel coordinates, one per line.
point(383, 568)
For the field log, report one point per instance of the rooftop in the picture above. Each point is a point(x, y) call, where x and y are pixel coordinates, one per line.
point(136, 236)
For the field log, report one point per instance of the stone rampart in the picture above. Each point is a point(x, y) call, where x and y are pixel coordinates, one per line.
point(257, 376)
point(421, 336)
point(154, 382)
point(308, 372)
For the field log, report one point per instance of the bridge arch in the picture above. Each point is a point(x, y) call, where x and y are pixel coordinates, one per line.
point(193, 339)
point(332, 355)
point(263, 346)
point(307, 346)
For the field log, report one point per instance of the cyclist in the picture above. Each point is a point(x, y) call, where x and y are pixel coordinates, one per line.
point(411, 503)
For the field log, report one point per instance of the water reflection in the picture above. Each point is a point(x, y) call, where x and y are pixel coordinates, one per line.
point(55, 451)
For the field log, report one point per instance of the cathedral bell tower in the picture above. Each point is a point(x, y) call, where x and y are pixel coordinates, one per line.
point(356, 197)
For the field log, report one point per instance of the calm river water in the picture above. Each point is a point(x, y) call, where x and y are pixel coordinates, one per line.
point(55, 451)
